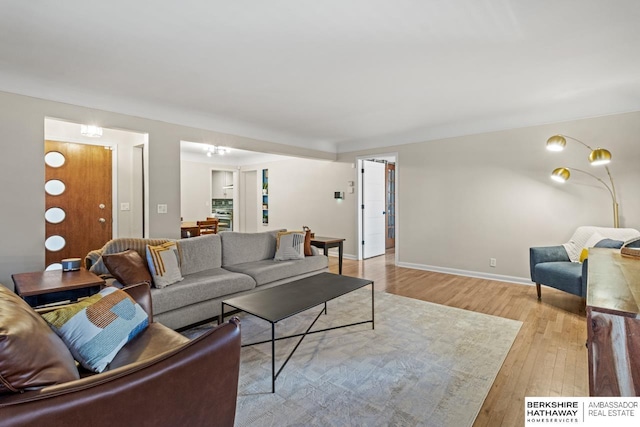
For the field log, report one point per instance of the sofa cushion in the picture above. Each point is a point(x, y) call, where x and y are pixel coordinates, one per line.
point(200, 253)
point(566, 276)
point(164, 264)
point(96, 328)
point(128, 267)
point(31, 354)
point(269, 270)
point(238, 248)
point(197, 287)
point(289, 245)
point(155, 340)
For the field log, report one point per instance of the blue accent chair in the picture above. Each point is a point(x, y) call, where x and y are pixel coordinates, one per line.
point(551, 266)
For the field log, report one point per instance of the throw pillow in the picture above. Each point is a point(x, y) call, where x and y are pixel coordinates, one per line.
point(31, 354)
point(164, 264)
point(307, 241)
point(584, 254)
point(96, 328)
point(127, 267)
point(633, 243)
point(609, 243)
point(289, 245)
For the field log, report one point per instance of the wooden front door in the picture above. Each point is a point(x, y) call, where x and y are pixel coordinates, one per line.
point(85, 200)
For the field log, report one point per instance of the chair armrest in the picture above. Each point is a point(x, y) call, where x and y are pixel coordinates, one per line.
point(542, 254)
point(141, 293)
point(195, 384)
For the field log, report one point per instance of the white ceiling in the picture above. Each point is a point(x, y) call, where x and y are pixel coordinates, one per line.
point(333, 75)
point(197, 152)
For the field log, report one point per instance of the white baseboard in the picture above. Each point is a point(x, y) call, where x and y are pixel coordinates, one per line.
point(467, 273)
point(334, 253)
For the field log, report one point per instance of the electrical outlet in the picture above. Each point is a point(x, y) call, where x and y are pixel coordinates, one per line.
point(162, 209)
point(492, 262)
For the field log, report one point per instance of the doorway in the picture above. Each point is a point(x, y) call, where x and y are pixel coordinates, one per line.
point(377, 205)
point(78, 200)
point(125, 176)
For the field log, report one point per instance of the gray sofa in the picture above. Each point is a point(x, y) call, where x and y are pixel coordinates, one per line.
point(214, 267)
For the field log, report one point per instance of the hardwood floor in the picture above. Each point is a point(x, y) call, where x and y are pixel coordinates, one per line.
point(548, 357)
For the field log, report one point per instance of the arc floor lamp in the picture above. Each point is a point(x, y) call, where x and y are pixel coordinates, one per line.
point(597, 157)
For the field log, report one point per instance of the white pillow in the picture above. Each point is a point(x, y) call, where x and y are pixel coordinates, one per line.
point(164, 264)
point(289, 245)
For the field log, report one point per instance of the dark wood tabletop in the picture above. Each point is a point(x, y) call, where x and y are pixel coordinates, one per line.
point(42, 282)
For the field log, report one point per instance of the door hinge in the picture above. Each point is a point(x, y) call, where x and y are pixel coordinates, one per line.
point(361, 206)
point(362, 170)
point(363, 243)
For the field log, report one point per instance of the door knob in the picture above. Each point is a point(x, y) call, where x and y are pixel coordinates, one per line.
point(102, 220)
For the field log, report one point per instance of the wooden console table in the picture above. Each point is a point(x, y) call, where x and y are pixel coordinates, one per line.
point(613, 323)
point(330, 242)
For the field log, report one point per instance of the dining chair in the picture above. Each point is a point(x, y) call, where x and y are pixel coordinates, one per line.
point(210, 226)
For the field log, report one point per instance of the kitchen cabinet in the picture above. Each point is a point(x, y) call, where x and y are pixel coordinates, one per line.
point(221, 185)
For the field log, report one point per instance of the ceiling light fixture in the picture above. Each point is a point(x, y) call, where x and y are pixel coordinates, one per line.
point(91, 131)
point(216, 150)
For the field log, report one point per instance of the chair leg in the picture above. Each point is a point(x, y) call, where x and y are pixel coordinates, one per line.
point(538, 290)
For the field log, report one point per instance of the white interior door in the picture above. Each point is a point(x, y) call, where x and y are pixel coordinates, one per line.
point(373, 213)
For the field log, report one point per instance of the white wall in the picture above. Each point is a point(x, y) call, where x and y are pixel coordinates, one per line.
point(461, 200)
point(464, 200)
point(22, 171)
point(301, 193)
point(195, 194)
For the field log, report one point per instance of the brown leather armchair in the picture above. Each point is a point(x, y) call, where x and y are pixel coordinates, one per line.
point(158, 379)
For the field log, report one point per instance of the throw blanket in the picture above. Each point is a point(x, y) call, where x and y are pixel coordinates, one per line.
point(584, 236)
point(93, 260)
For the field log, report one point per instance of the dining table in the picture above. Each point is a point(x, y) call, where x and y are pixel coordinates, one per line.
point(191, 229)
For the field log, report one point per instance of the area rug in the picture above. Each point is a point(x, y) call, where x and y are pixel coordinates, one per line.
point(424, 364)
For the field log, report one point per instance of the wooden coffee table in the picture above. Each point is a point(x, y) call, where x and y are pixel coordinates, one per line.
point(283, 301)
point(44, 287)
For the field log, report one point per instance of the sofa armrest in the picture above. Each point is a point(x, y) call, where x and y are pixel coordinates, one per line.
point(195, 384)
point(92, 257)
point(542, 254)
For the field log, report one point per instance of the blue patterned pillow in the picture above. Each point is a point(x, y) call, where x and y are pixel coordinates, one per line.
point(96, 328)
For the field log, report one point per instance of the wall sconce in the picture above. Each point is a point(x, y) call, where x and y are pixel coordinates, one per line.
point(597, 157)
point(91, 131)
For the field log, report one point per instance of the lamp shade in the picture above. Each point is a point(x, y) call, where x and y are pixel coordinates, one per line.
point(560, 174)
point(556, 143)
point(600, 156)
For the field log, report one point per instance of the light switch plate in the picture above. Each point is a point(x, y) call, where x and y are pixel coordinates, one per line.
point(162, 209)
point(124, 206)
